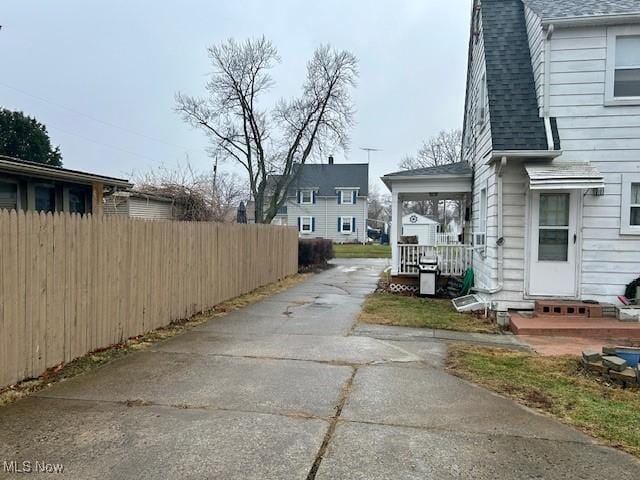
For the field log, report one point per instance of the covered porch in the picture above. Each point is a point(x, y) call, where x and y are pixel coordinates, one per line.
point(443, 193)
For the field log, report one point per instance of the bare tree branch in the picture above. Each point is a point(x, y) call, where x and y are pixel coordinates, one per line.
point(270, 145)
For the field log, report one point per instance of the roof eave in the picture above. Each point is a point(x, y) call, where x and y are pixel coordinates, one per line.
point(609, 19)
point(388, 179)
point(63, 174)
point(523, 154)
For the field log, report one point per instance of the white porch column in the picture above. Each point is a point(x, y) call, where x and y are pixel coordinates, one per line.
point(394, 234)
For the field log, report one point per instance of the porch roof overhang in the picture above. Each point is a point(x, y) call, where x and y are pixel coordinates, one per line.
point(450, 178)
point(564, 176)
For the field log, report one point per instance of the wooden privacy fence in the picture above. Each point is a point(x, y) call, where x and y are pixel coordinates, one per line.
point(70, 285)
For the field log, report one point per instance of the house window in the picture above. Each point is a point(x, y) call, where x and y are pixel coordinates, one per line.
point(8, 196)
point(480, 237)
point(630, 210)
point(623, 66)
point(346, 224)
point(306, 224)
point(483, 211)
point(306, 197)
point(482, 100)
point(77, 201)
point(347, 197)
point(45, 196)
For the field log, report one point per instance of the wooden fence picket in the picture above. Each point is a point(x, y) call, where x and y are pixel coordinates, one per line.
point(70, 284)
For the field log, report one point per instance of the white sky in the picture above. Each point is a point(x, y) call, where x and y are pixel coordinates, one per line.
point(96, 71)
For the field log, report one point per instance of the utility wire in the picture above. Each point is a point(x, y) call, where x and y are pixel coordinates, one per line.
point(124, 150)
point(94, 119)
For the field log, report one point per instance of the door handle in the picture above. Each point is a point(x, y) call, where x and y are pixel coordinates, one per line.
point(575, 237)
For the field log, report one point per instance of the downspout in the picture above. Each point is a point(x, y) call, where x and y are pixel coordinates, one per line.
point(547, 88)
point(500, 227)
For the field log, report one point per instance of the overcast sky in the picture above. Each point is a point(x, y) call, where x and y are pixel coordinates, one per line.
point(102, 74)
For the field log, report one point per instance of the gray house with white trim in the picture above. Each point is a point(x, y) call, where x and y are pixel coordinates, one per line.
point(329, 201)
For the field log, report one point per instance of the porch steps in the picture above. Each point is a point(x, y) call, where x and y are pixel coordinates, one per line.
point(555, 308)
point(554, 325)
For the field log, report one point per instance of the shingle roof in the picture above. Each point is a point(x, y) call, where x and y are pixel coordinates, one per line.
point(459, 168)
point(326, 178)
point(581, 8)
point(513, 105)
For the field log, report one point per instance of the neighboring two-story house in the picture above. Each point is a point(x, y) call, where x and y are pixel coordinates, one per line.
point(552, 135)
point(329, 201)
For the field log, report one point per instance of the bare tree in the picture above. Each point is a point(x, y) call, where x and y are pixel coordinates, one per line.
point(379, 207)
point(194, 193)
point(441, 149)
point(271, 144)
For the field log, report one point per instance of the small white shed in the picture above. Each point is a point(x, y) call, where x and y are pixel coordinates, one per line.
point(422, 227)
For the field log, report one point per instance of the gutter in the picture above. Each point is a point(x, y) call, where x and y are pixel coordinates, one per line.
point(523, 154)
point(608, 19)
point(500, 241)
point(45, 171)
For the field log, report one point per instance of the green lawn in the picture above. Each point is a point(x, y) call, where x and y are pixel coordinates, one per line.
point(356, 250)
point(558, 386)
point(391, 309)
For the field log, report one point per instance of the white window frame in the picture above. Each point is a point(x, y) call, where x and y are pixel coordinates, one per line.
point(625, 205)
point(302, 200)
point(349, 197)
point(482, 100)
point(612, 34)
point(302, 225)
point(346, 232)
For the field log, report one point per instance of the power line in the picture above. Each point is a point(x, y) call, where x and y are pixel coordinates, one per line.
point(124, 150)
point(92, 118)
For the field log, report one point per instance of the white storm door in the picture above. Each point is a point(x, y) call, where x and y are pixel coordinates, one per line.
point(552, 265)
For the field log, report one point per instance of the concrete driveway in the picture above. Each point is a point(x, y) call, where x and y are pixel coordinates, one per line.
point(292, 388)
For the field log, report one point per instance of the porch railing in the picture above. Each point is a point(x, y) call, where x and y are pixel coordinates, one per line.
point(453, 260)
point(446, 238)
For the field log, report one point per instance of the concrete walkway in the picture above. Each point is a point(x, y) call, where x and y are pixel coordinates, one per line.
point(292, 388)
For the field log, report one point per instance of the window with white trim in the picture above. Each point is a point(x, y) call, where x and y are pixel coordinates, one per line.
point(345, 224)
point(482, 100)
point(346, 197)
point(480, 237)
point(306, 197)
point(306, 224)
point(630, 209)
point(623, 66)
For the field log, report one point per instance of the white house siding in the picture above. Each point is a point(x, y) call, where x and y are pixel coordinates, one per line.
point(476, 151)
point(150, 209)
point(115, 206)
point(326, 211)
point(608, 138)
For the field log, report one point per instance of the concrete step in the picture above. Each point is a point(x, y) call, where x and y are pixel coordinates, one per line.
point(566, 326)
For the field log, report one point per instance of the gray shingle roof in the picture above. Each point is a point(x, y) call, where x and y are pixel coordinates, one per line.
point(513, 105)
point(459, 168)
point(581, 8)
point(326, 178)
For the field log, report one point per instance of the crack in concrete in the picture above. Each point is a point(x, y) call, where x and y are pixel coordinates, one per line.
point(333, 422)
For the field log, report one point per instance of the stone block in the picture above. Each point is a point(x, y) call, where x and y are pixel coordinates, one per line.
point(608, 350)
point(629, 376)
point(591, 355)
point(595, 367)
point(614, 363)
